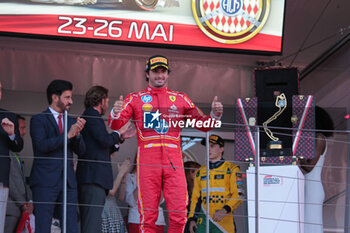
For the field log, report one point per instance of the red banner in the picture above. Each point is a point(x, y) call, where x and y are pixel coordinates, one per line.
point(128, 30)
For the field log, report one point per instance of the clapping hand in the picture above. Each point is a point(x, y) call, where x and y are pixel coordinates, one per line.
point(8, 126)
point(76, 128)
point(127, 131)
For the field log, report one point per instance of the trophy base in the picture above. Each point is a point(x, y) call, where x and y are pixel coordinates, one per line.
point(276, 152)
point(274, 145)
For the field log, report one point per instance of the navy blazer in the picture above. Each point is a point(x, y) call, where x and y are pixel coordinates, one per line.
point(47, 170)
point(6, 144)
point(99, 145)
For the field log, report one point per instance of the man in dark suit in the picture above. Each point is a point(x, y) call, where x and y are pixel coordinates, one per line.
point(46, 181)
point(94, 171)
point(19, 195)
point(9, 140)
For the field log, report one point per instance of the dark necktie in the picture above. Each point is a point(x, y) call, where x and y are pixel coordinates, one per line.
point(60, 126)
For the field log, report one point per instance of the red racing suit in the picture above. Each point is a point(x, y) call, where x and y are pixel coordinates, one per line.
point(159, 157)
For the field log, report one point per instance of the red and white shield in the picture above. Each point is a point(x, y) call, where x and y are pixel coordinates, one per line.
point(231, 21)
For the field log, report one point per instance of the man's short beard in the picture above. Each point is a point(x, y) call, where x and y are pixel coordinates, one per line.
point(63, 107)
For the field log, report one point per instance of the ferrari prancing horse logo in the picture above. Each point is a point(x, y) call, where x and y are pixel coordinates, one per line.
point(230, 21)
point(172, 98)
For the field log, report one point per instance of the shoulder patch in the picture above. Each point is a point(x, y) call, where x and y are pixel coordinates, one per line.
point(135, 94)
point(143, 92)
point(232, 166)
point(172, 92)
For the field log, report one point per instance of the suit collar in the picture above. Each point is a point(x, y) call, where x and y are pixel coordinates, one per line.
point(54, 113)
point(216, 164)
point(91, 111)
point(52, 119)
point(157, 90)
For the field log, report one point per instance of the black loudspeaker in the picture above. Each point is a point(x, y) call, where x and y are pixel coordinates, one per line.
point(270, 83)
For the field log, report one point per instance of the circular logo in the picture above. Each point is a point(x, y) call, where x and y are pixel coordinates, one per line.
point(163, 127)
point(231, 7)
point(231, 21)
point(146, 98)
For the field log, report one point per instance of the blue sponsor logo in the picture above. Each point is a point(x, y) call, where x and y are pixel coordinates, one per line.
point(146, 98)
point(163, 127)
point(231, 7)
point(152, 120)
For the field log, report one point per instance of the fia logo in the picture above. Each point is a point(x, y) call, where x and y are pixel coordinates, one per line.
point(152, 120)
point(231, 7)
